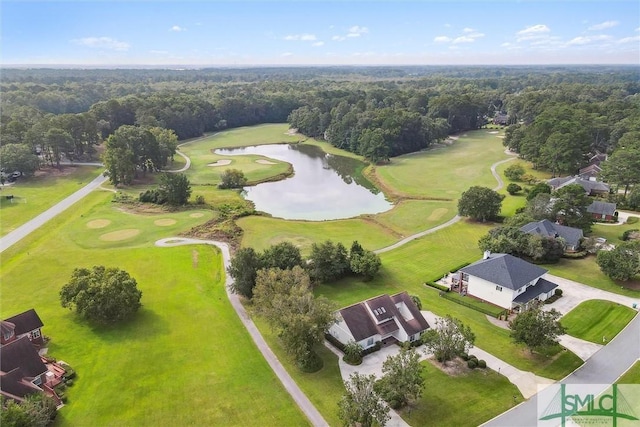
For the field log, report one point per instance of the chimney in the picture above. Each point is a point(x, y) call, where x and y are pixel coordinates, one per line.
point(486, 255)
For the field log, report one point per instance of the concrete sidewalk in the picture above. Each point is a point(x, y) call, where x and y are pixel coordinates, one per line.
point(583, 349)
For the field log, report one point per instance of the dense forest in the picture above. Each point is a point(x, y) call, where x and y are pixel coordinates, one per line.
point(557, 117)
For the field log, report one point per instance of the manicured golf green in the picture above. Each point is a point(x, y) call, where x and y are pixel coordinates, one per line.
point(467, 399)
point(185, 359)
point(594, 319)
point(32, 196)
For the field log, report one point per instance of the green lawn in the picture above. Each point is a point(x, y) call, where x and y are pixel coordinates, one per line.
point(632, 376)
point(586, 271)
point(409, 266)
point(613, 233)
point(445, 172)
point(468, 399)
point(34, 195)
point(591, 320)
point(412, 216)
point(185, 359)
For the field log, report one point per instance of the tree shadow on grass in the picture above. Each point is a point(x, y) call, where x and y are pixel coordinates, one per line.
point(144, 325)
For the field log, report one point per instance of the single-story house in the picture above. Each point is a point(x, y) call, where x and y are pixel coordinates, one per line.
point(384, 318)
point(501, 119)
point(506, 281)
point(603, 211)
point(590, 172)
point(546, 228)
point(23, 324)
point(591, 187)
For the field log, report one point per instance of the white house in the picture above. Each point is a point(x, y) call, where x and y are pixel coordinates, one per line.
point(506, 281)
point(383, 318)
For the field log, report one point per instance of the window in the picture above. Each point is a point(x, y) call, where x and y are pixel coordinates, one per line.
point(370, 342)
point(499, 288)
point(35, 334)
point(7, 335)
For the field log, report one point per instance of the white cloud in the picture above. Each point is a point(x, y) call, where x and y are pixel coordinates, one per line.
point(582, 40)
point(286, 54)
point(300, 37)
point(533, 32)
point(442, 39)
point(447, 25)
point(638, 29)
point(177, 29)
point(102, 43)
point(317, 44)
point(468, 30)
point(629, 40)
point(338, 38)
point(463, 39)
point(604, 25)
point(357, 31)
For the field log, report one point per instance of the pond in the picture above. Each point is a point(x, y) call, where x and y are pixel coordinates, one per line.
point(323, 186)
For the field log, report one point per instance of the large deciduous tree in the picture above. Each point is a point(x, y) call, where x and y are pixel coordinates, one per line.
point(283, 255)
point(622, 262)
point(448, 339)
point(623, 166)
point(402, 378)
point(480, 203)
point(232, 178)
point(360, 405)
point(18, 157)
point(285, 299)
point(570, 206)
point(536, 328)
point(131, 149)
point(103, 295)
point(365, 264)
point(176, 187)
point(243, 269)
point(328, 261)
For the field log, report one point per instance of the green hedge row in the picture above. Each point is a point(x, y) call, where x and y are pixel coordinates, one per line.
point(437, 286)
point(453, 298)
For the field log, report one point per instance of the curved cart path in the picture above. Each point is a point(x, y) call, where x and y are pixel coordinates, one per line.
point(290, 385)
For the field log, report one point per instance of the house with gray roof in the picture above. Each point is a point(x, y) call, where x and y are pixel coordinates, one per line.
point(506, 281)
point(591, 187)
point(602, 211)
point(571, 236)
point(384, 319)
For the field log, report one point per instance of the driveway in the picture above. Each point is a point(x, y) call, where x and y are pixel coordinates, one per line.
point(573, 293)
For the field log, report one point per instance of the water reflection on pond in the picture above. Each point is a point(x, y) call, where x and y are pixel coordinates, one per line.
point(323, 186)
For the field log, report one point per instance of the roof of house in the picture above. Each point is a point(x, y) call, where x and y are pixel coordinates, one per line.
point(376, 316)
point(504, 270)
point(593, 169)
point(13, 384)
point(547, 228)
point(542, 286)
point(588, 185)
point(25, 322)
point(21, 354)
point(602, 208)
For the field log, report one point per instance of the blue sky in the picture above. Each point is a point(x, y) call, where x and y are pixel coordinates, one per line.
point(200, 33)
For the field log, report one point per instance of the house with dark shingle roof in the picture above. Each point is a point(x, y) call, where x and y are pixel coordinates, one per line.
point(27, 324)
point(592, 188)
point(383, 318)
point(602, 211)
point(570, 235)
point(506, 281)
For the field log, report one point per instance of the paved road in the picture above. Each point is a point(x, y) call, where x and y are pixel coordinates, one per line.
point(604, 367)
point(290, 385)
point(19, 233)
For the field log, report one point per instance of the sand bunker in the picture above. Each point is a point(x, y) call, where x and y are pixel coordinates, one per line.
point(115, 236)
point(265, 162)
point(437, 214)
point(164, 222)
point(494, 132)
point(222, 162)
point(98, 223)
point(196, 215)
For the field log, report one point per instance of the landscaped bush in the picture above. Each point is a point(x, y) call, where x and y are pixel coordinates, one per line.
point(377, 346)
point(513, 188)
point(575, 255)
point(199, 199)
point(337, 344)
point(464, 356)
point(472, 364)
point(437, 286)
point(629, 234)
point(482, 364)
point(154, 196)
point(474, 358)
point(558, 292)
point(632, 220)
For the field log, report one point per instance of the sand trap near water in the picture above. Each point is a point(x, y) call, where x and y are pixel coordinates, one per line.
point(265, 162)
point(196, 215)
point(494, 132)
point(222, 162)
point(437, 214)
point(115, 236)
point(98, 223)
point(164, 222)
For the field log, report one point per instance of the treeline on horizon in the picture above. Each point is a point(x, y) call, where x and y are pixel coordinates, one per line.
point(557, 116)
